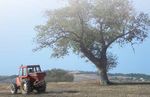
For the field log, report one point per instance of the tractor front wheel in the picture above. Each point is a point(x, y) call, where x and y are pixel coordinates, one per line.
point(26, 88)
point(42, 89)
point(13, 88)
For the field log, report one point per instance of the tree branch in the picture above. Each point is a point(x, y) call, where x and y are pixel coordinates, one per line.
point(88, 54)
point(116, 38)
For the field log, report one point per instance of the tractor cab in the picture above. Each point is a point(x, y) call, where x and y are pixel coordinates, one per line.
point(27, 70)
point(33, 69)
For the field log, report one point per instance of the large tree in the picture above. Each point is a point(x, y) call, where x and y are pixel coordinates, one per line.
point(90, 28)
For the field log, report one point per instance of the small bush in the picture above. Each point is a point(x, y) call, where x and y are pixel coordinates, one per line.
point(59, 75)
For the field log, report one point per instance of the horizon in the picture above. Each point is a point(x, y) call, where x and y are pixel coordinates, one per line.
point(18, 19)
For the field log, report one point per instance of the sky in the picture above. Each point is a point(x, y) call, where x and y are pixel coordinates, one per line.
point(18, 19)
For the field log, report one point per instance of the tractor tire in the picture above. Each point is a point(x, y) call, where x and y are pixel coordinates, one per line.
point(42, 89)
point(13, 88)
point(26, 87)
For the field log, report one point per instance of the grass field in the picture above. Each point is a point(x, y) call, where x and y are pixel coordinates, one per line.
point(85, 89)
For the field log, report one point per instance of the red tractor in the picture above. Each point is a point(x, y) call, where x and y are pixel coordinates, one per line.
point(30, 78)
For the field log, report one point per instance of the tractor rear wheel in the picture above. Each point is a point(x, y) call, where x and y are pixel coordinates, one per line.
point(26, 87)
point(13, 88)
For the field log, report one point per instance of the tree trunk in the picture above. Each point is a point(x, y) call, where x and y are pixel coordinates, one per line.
point(101, 63)
point(103, 77)
point(103, 70)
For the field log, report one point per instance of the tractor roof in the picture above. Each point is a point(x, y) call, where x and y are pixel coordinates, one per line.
point(27, 66)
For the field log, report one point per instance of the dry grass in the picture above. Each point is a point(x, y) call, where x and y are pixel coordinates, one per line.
point(85, 89)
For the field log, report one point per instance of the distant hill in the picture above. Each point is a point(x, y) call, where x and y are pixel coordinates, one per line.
point(7, 79)
point(86, 76)
point(137, 75)
point(117, 77)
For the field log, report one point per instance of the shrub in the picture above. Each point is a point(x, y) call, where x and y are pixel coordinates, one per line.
point(59, 75)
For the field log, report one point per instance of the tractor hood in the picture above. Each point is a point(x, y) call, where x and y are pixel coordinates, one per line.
point(37, 75)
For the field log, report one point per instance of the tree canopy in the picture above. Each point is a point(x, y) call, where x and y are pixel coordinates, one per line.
point(91, 27)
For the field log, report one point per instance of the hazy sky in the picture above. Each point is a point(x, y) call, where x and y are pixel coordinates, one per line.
point(17, 21)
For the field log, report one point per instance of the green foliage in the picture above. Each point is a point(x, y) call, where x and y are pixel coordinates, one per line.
point(59, 75)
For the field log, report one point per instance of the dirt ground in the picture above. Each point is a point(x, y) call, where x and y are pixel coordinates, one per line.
point(84, 89)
